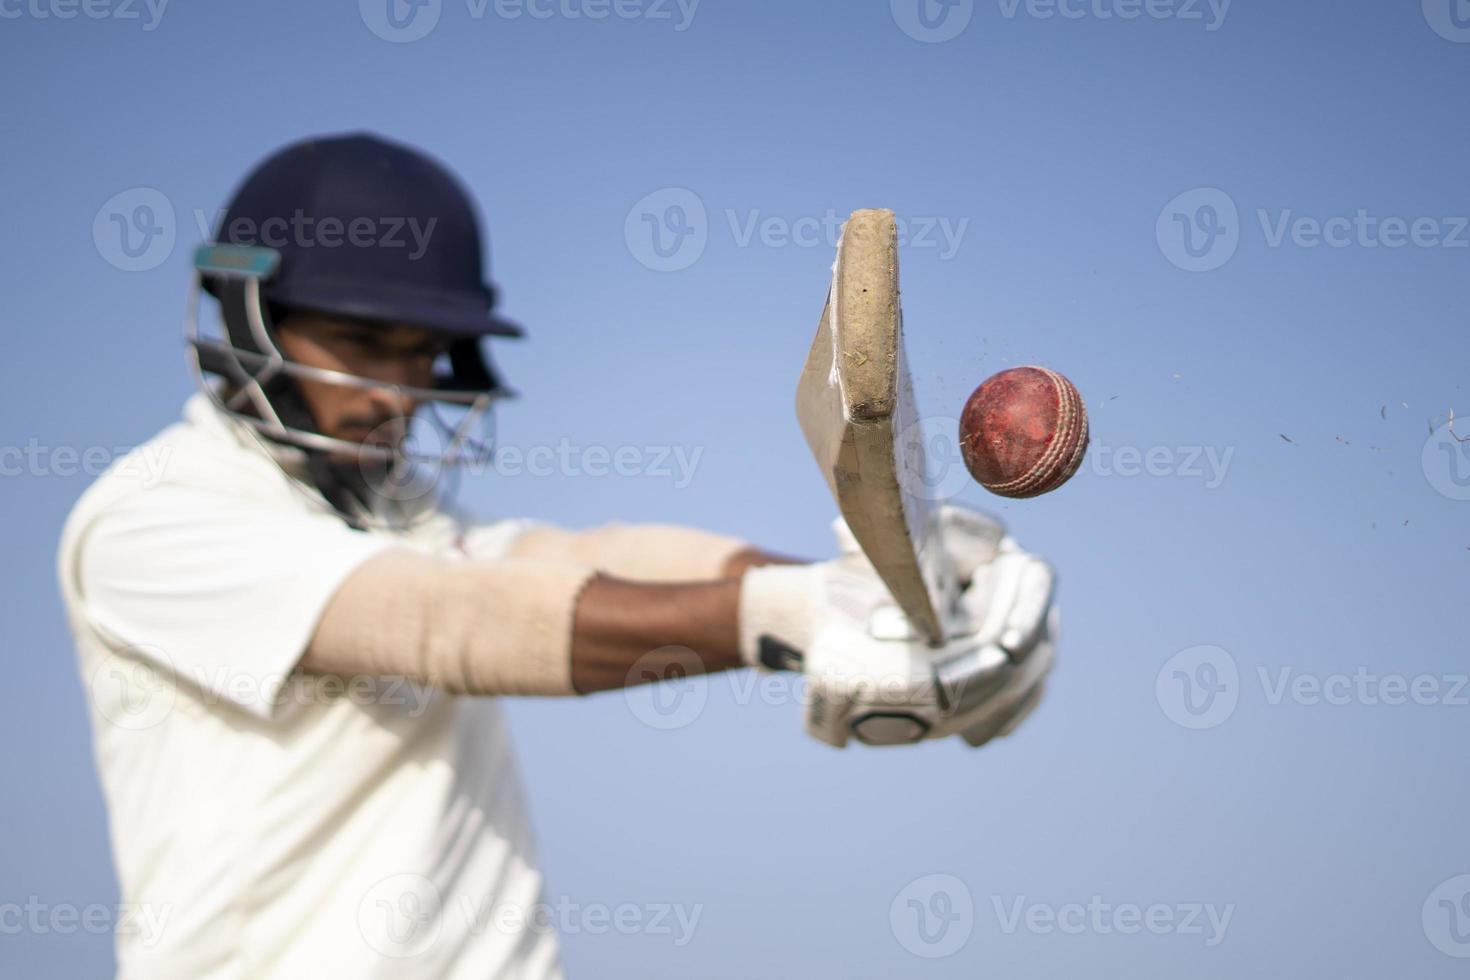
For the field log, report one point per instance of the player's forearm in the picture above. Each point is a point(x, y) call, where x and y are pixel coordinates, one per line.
point(629, 633)
point(525, 626)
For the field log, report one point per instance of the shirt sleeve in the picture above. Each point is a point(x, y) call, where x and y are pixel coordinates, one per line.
point(638, 552)
point(219, 590)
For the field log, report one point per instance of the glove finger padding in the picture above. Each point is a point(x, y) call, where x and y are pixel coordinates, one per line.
point(971, 539)
point(1023, 691)
point(1007, 602)
point(881, 692)
point(1028, 705)
point(983, 732)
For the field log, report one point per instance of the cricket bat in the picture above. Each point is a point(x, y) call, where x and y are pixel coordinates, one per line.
point(855, 403)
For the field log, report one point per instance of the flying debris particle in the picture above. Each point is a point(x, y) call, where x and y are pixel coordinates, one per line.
point(1406, 523)
point(1285, 438)
point(1343, 441)
point(1113, 399)
point(1405, 404)
point(1178, 376)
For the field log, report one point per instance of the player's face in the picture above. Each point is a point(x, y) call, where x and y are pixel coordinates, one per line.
point(392, 354)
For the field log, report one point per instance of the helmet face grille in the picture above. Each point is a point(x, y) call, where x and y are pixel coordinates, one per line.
point(245, 372)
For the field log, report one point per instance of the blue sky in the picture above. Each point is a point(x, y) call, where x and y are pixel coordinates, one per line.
point(1239, 228)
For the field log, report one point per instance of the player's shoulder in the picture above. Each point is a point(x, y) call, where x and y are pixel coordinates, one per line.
point(202, 458)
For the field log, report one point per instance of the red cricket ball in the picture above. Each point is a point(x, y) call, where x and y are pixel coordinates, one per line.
point(1024, 432)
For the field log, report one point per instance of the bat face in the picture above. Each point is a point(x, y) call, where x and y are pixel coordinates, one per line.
point(856, 407)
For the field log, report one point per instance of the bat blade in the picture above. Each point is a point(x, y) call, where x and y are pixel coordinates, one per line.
point(855, 404)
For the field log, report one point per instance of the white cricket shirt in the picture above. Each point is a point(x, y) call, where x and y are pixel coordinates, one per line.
point(265, 824)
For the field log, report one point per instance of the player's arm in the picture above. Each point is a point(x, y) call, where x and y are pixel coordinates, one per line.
point(621, 625)
point(643, 552)
point(524, 626)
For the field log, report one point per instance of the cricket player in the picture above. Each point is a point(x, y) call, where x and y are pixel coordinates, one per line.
point(294, 648)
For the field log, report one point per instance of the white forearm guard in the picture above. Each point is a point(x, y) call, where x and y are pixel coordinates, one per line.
point(500, 626)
